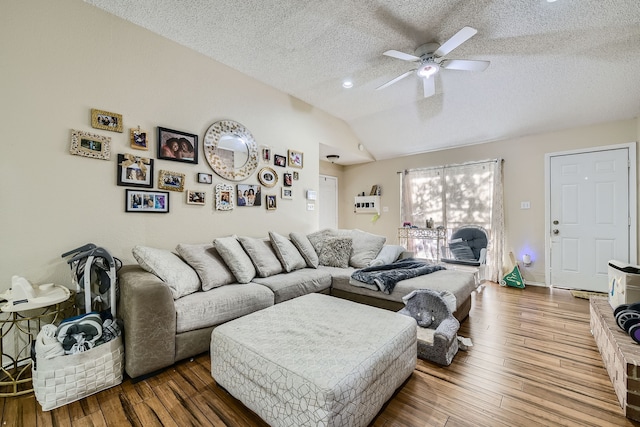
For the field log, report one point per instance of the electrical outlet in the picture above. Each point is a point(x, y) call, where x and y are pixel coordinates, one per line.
point(525, 205)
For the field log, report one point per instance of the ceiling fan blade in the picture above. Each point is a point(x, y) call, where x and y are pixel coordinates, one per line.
point(401, 55)
point(458, 38)
point(464, 64)
point(400, 77)
point(429, 86)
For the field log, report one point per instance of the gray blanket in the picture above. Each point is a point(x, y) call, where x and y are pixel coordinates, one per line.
point(385, 277)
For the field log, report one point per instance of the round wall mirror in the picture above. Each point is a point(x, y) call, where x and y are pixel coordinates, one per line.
point(230, 150)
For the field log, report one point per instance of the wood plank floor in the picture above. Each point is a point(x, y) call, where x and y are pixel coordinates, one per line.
point(533, 363)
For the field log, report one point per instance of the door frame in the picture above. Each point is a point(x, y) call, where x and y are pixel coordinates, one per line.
point(337, 213)
point(633, 217)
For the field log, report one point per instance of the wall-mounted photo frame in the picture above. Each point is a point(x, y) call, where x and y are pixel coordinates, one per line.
point(249, 195)
point(146, 201)
point(295, 159)
point(205, 178)
point(177, 146)
point(172, 181)
point(138, 139)
point(271, 202)
point(288, 179)
point(279, 160)
point(296, 176)
point(224, 197)
point(266, 154)
point(106, 120)
point(90, 145)
point(287, 193)
point(267, 177)
point(135, 171)
point(195, 197)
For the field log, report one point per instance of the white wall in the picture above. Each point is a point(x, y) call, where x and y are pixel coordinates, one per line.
point(62, 58)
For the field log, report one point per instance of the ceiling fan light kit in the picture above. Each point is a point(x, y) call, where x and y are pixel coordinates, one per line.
point(430, 58)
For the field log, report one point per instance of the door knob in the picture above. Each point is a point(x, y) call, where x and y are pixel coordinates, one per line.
point(555, 222)
point(556, 231)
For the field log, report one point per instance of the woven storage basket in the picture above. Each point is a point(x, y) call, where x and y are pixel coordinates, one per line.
point(65, 379)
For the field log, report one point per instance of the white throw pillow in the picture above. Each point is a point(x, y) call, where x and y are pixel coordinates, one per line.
point(208, 263)
point(387, 255)
point(305, 248)
point(366, 247)
point(262, 255)
point(236, 258)
point(287, 253)
point(178, 275)
point(336, 252)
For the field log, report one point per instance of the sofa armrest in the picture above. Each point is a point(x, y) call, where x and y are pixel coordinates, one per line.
point(148, 313)
point(447, 330)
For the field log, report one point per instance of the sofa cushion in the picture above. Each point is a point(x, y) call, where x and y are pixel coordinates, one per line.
point(262, 255)
point(297, 283)
point(208, 263)
point(305, 248)
point(286, 252)
point(317, 239)
point(461, 250)
point(387, 255)
point(366, 247)
point(236, 258)
point(336, 252)
point(219, 305)
point(179, 276)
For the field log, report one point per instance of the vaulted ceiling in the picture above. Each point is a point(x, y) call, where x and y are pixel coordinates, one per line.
point(554, 65)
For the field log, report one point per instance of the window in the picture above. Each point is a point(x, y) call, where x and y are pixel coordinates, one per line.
point(453, 196)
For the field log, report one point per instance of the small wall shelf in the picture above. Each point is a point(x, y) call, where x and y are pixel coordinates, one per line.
point(367, 204)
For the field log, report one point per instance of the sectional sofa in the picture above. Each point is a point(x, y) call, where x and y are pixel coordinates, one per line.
point(172, 300)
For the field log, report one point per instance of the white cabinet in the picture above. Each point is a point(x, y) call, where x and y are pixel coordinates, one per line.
point(367, 204)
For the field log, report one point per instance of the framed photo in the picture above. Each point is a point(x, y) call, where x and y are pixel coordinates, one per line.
point(172, 181)
point(195, 197)
point(205, 178)
point(177, 146)
point(279, 160)
point(287, 193)
point(146, 201)
point(224, 197)
point(374, 190)
point(248, 195)
point(296, 176)
point(135, 171)
point(271, 202)
point(106, 121)
point(295, 159)
point(267, 177)
point(266, 154)
point(90, 145)
point(138, 139)
point(288, 179)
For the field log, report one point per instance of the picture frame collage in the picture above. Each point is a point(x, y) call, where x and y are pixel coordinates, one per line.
point(138, 171)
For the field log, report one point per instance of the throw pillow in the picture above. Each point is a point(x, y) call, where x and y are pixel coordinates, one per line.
point(208, 263)
point(306, 249)
point(262, 255)
point(387, 255)
point(236, 258)
point(180, 278)
point(336, 252)
point(366, 247)
point(286, 252)
point(461, 250)
point(317, 239)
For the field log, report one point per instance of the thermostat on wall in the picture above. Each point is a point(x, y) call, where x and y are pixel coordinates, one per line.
point(311, 195)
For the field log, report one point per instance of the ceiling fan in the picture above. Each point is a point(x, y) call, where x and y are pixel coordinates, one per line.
point(429, 59)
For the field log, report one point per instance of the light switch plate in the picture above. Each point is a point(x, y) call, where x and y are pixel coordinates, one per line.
point(311, 206)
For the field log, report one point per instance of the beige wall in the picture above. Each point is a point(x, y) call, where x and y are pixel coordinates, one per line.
point(60, 59)
point(523, 181)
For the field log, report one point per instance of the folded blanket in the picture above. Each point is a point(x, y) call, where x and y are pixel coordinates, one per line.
point(47, 345)
point(385, 277)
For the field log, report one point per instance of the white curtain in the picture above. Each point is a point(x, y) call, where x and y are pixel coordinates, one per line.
point(456, 195)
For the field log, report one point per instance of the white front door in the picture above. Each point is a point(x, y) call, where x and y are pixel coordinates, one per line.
point(328, 202)
point(589, 217)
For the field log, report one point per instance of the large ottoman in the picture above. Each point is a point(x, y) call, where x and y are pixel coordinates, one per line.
point(315, 360)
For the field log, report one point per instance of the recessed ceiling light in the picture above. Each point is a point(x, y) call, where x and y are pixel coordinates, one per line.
point(347, 84)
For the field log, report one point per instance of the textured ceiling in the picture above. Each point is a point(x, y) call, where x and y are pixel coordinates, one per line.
point(553, 65)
